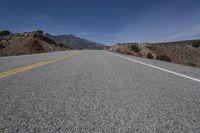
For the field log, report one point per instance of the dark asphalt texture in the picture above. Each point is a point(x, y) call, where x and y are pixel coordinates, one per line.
point(96, 91)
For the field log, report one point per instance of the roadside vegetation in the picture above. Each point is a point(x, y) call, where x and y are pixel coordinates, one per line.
point(40, 32)
point(163, 58)
point(5, 32)
point(190, 63)
point(150, 56)
point(2, 45)
point(196, 44)
point(135, 48)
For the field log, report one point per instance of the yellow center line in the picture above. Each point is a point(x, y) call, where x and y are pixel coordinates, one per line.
point(32, 66)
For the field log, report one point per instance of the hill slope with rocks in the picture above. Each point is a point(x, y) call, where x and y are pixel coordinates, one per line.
point(180, 52)
point(28, 43)
point(76, 42)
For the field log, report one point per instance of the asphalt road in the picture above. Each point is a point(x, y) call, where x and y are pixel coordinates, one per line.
point(97, 91)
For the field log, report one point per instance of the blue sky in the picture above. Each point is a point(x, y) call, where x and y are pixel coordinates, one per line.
point(105, 21)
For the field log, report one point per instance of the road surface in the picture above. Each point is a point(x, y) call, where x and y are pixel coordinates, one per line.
point(97, 91)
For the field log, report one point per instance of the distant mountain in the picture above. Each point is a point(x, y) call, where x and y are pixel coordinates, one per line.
point(76, 42)
point(27, 43)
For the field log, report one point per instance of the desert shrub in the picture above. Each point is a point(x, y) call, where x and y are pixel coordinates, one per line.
point(129, 53)
point(2, 45)
point(40, 32)
point(68, 47)
point(60, 44)
point(196, 44)
point(4, 33)
point(163, 58)
point(190, 63)
point(135, 48)
point(149, 55)
point(121, 44)
point(118, 50)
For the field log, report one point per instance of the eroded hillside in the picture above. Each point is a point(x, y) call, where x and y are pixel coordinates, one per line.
point(28, 43)
point(183, 52)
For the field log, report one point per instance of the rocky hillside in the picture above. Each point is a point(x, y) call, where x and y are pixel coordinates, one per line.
point(76, 42)
point(181, 52)
point(27, 43)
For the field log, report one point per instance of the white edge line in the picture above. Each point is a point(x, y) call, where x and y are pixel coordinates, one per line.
point(169, 71)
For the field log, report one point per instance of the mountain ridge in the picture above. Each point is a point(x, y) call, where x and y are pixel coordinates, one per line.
point(76, 42)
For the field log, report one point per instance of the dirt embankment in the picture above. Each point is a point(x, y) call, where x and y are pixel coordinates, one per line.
point(183, 52)
point(28, 43)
